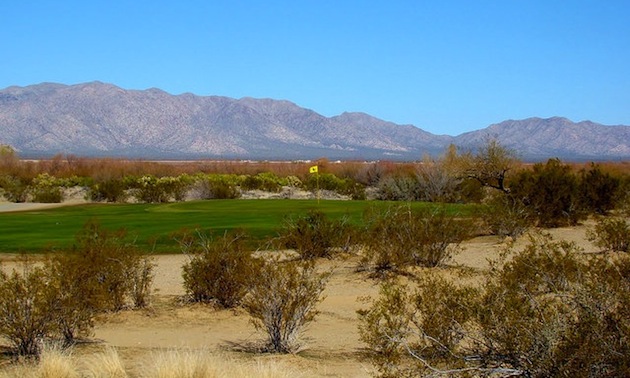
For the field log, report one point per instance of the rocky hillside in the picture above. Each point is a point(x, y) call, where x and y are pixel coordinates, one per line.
point(98, 119)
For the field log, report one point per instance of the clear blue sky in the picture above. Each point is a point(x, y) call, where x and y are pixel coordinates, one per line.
point(444, 66)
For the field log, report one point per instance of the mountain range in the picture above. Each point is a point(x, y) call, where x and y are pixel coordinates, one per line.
point(99, 119)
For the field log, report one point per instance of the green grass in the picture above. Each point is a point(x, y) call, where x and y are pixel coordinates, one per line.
point(153, 225)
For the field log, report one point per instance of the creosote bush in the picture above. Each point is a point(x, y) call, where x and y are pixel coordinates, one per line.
point(545, 311)
point(282, 301)
point(611, 234)
point(59, 298)
point(401, 236)
point(506, 215)
point(218, 270)
point(314, 235)
point(27, 305)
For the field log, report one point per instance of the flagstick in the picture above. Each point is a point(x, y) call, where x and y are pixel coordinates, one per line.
point(317, 177)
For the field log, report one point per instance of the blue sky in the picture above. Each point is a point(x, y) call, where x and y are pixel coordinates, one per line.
point(445, 66)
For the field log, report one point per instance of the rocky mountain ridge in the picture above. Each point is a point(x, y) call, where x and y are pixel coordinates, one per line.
point(99, 119)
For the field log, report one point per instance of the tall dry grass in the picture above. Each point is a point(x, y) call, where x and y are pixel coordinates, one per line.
point(56, 362)
point(106, 364)
point(178, 363)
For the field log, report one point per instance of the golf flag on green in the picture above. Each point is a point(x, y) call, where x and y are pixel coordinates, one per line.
point(313, 169)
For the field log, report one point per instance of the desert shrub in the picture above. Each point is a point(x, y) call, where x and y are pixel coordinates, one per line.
point(218, 270)
point(399, 188)
point(77, 296)
point(152, 189)
point(27, 305)
point(401, 322)
point(328, 181)
point(112, 266)
point(315, 235)
point(218, 187)
point(110, 190)
point(282, 301)
point(599, 191)
point(436, 183)
point(13, 188)
point(551, 192)
point(611, 233)
point(506, 215)
point(402, 236)
point(266, 181)
point(46, 189)
point(545, 311)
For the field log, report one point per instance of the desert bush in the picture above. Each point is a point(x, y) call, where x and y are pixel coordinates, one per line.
point(611, 234)
point(551, 192)
point(112, 267)
point(13, 188)
point(328, 181)
point(314, 235)
point(436, 183)
point(27, 305)
point(399, 188)
point(218, 270)
point(282, 301)
point(110, 190)
point(77, 298)
point(152, 189)
point(46, 189)
point(402, 236)
point(599, 191)
point(218, 186)
point(506, 215)
point(545, 311)
point(266, 181)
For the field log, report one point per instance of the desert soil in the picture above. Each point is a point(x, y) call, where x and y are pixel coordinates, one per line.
point(331, 343)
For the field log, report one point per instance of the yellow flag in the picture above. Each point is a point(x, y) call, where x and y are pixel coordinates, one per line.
point(313, 169)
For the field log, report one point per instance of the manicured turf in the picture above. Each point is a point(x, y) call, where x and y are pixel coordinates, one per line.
point(153, 224)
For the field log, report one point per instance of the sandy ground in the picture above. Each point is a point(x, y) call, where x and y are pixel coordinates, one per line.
point(332, 345)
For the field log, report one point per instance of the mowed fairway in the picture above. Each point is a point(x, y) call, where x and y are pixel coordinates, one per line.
point(153, 225)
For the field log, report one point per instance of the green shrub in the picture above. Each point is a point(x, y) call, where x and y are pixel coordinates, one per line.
point(282, 301)
point(13, 188)
point(46, 189)
point(111, 190)
point(151, 189)
point(218, 270)
point(330, 182)
point(265, 181)
point(612, 234)
point(219, 187)
point(314, 235)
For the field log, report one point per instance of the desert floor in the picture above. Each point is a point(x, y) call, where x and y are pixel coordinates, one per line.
point(331, 343)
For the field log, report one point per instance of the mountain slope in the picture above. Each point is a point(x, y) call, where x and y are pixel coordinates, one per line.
point(102, 119)
point(537, 138)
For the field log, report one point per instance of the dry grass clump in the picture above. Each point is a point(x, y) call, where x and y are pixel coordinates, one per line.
point(186, 363)
point(54, 362)
point(106, 364)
